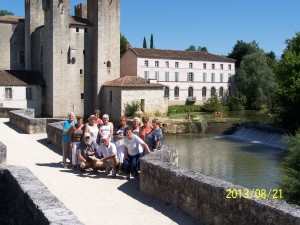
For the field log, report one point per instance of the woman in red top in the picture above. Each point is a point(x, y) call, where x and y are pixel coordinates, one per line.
point(145, 129)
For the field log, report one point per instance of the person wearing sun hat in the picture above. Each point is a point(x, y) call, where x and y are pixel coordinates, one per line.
point(87, 152)
point(109, 151)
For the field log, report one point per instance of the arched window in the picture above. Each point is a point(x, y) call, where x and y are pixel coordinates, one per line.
point(176, 92)
point(221, 92)
point(190, 92)
point(167, 91)
point(204, 92)
point(213, 91)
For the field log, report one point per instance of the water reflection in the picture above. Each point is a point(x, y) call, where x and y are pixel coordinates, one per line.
point(247, 164)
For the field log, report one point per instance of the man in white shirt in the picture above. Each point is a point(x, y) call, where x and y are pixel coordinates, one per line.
point(109, 151)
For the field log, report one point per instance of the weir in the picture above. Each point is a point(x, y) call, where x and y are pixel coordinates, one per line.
point(266, 135)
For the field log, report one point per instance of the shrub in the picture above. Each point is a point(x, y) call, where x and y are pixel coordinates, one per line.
point(176, 109)
point(290, 184)
point(213, 104)
point(237, 102)
point(131, 108)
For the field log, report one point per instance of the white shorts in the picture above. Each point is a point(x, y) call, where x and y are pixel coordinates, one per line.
point(120, 153)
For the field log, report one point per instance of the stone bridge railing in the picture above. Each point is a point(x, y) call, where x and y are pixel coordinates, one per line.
point(25, 200)
point(24, 119)
point(204, 197)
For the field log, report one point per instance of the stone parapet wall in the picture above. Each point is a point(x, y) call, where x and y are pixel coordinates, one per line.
point(25, 200)
point(25, 121)
point(4, 111)
point(3, 153)
point(54, 133)
point(204, 197)
point(204, 127)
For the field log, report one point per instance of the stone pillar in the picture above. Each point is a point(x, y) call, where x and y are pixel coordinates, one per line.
point(56, 66)
point(34, 17)
point(105, 16)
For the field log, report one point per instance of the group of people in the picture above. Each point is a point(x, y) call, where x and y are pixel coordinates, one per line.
point(99, 145)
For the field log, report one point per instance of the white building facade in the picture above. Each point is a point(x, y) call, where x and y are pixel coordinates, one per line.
point(186, 75)
point(20, 89)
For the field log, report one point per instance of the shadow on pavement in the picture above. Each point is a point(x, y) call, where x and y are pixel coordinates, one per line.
point(132, 188)
point(11, 126)
point(52, 147)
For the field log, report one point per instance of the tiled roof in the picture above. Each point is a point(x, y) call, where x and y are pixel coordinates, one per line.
point(74, 20)
point(132, 81)
point(180, 55)
point(20, 78)
point(12, 19)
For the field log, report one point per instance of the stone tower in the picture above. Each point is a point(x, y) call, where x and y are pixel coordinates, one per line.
point(34, 18)
point(105, 17)
point(56, 70)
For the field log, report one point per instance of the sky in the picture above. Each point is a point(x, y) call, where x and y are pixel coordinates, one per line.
point(214, 24)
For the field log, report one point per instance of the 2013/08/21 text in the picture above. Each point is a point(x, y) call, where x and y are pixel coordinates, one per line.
point(254, 193)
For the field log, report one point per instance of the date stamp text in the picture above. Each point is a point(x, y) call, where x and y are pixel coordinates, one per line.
point(254, 193)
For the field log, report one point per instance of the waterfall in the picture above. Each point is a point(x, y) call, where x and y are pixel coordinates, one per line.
point(260, 134)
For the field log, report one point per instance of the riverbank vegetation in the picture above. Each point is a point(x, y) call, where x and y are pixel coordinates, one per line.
point(291, 170)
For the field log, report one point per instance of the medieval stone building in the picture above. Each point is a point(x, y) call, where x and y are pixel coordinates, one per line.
point(75, 55)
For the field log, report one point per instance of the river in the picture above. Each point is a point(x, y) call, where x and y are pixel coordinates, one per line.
point(250, 165)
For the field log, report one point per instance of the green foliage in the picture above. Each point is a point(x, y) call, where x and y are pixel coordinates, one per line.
point(175, 109)
point(151, 41)
point(123, 44)
point(202, 49)
point(131, 108)
point(256, 81)
point(237, 102)
point(199, 49)
point(288, 76)
point(191, 48)
point(144, 43)
point(271, 60)
point(290, 184)
point(213, 104)
point(5, 12)
point(241, 49)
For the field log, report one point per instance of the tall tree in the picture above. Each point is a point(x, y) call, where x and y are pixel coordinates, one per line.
point(288, 75)
point(123, 44)
point(271, 60)
point(5, 12)
point(241, 49)
point(144, 43)
point(256, 81)
point(151, 41)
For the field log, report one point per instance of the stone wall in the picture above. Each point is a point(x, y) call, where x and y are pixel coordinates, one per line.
point(3, 153)
point(204, 197)
point(11, 45)
point(25, 200)
point(183, 127)
point(24, 120)
point(4, 111)
point(54, 133)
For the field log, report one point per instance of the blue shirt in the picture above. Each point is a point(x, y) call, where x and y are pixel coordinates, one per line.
point(67, 125)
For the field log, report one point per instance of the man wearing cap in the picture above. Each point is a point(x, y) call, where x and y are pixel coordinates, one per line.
point(87, 152)
point(109, 152)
